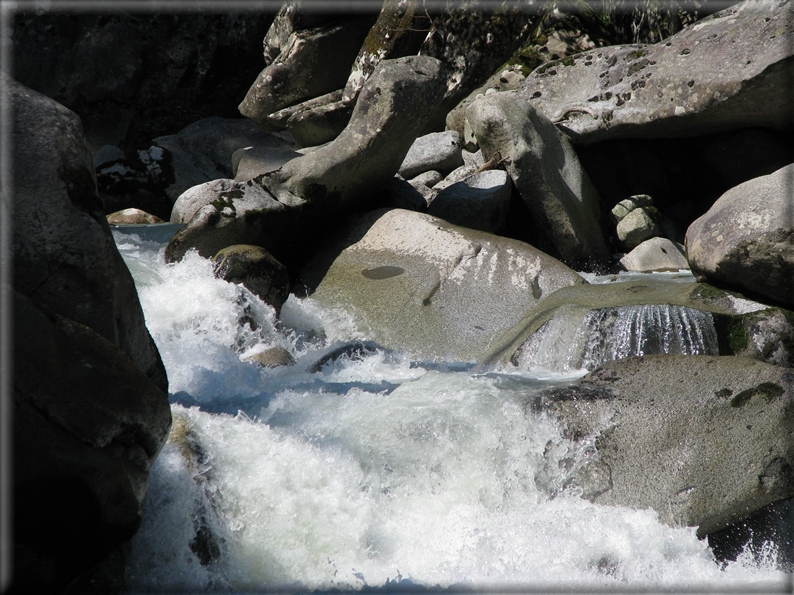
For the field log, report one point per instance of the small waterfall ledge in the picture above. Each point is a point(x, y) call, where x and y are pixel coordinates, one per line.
point(576, 339)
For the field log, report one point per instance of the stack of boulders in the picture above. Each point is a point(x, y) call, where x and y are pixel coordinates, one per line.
point(650, 238)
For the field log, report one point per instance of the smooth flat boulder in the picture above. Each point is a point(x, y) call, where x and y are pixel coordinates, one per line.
point(746, 239)
point(703, 440)
point(727, 71)
point(270, 210)
point(546, 172)
point(414, 282)
point(656, 254)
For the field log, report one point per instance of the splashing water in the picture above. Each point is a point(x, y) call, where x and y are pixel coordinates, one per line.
point(372, 471)
point(571, 341)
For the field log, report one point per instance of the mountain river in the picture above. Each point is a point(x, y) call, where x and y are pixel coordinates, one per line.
point(375, 470)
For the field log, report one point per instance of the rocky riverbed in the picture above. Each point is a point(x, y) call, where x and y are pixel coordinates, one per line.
point(460, 183)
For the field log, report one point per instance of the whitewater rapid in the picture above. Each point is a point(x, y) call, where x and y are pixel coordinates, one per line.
point(373, 471)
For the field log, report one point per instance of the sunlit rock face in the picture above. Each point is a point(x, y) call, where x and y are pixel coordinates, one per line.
point(746, 240)
point(713, 75)
point(418, 283)
point(706, 454)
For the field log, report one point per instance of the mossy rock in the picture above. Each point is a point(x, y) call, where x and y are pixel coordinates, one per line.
point(256, 269)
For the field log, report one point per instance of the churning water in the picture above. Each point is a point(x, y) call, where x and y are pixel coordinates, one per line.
point(374, 470)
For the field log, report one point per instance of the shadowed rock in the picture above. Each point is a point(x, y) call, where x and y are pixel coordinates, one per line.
point(65, 258)
point(311, 63)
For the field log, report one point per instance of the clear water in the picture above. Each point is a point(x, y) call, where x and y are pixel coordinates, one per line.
point(574, 340)
point(375, 470)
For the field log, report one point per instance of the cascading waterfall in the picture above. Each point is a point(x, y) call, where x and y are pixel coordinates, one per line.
point(571, 341)
point(376, 470)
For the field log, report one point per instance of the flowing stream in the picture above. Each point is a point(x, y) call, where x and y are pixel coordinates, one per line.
point(376, 470)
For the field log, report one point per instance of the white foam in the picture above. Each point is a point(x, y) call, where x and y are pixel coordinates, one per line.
point(339, 479)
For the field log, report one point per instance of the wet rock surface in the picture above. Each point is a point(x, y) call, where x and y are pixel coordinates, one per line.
point(436, 290)
point(255, 268)
point(737, 461)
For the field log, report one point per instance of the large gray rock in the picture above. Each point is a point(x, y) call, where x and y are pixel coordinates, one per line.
point(65, 258)
point(746, 240)
point(90, 405)
point(473, 41)
point(546, 172)
point(627, 205)
point(702, 440)
point(507, 79)
point(392, 109)
point(637, 226)
point(478, 202)
point(440, 151)
point(253, 161)
point(766, 335)
point(438, 291)
point(268, 211)
point(87, 426)
point(313, 62)
point(727, 71)
point(315, 121)
point(399, 31)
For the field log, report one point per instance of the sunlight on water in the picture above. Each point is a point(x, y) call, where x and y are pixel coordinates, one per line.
point(583, 340)
point(372, 469)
